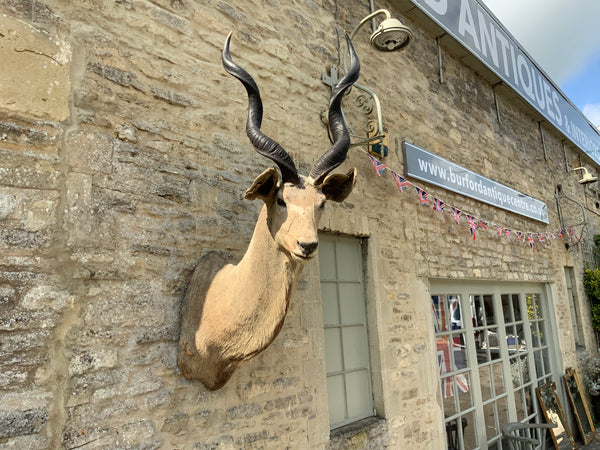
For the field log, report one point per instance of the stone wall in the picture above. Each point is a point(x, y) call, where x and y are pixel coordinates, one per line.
point(124, 157)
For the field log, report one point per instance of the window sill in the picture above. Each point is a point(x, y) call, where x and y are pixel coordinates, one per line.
point(372, 428)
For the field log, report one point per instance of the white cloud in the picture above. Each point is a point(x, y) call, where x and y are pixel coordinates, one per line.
point(592, 112)
point(559, 35)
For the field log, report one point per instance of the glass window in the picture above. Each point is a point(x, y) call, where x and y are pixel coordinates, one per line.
point(347, 359)
point(491, 357)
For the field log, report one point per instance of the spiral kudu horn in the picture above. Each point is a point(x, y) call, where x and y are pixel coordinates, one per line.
point(336, 155)
point(263, 144)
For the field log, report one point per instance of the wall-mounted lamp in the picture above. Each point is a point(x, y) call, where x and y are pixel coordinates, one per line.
point(391, 35)
point(561, 195)
point(587, 178)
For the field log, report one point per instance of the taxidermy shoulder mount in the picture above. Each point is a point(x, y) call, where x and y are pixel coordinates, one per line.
point(231, 313)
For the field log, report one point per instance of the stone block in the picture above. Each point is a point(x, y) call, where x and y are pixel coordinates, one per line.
point(17, 423)
point(7, 205)
point(37, 66)
point(90, 153)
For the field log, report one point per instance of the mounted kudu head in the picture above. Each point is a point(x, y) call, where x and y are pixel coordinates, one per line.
point(298, 197)
point(233, 312)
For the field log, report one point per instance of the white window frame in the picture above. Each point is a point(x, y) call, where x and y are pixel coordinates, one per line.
point(465, 289)
point(359, 280)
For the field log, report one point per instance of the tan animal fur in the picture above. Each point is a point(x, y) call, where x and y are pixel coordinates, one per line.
point(231, 312)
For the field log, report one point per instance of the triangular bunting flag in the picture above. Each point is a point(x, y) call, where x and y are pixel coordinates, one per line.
point(377, 165)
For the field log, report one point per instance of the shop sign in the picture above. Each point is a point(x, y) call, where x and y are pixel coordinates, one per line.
point(471, 24)
point(433, 169)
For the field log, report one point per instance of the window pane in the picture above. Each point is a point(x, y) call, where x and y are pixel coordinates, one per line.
point(516, 308)
point(348, 260)
point(358, 394)
point(534, 308)
point(459, 351)
point(507, 309)
point(456, 320)
point(502, 413)
point(352, 303)
point(331, 313)
point(327, 258)
point(485, 382)
point(498, 378)
point(336, 398)
point(333, 350)
point(450, 400)
point(468, 429)
point(440, 313)
point(488, 306)
point(463, 384)
point(355, 349)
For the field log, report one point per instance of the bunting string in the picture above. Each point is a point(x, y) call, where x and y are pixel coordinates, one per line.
point(475, 223)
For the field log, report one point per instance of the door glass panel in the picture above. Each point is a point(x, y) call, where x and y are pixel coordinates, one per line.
point(516, 308)
point(503, 417)
point(469, 429)
point(490, 318)
point(474, 333)
point(498, 378)
point(459, 351)
point(491, 420)
point(451, 407)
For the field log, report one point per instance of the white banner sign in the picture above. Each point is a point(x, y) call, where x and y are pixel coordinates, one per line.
point(471, 24)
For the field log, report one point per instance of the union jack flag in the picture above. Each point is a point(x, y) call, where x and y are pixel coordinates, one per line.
point(444, 346)
point(400, 181)
point(540, 237)
point(570, 230)
point(560, 233)
point(378, 166)
point(499, 229)
point(531, 242)
point(423, 196)
point(438, 205)
point(456, 212)
point(472, 226)
point(507, 233)
point(519, 236)
point(482, 224)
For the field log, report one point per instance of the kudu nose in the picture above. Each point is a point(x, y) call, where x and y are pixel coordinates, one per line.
point(308, 247)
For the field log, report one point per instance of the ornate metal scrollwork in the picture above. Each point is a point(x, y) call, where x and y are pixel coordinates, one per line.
point(365, 104)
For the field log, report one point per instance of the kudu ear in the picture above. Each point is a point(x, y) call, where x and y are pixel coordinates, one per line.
point(337, 186)
point(263, 185)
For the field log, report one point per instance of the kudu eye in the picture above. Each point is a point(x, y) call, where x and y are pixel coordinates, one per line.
point(281, 202)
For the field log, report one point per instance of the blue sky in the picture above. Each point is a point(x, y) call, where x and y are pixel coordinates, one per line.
point(562, 36)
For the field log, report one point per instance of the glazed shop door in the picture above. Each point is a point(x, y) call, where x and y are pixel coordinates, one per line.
point(493, 350)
